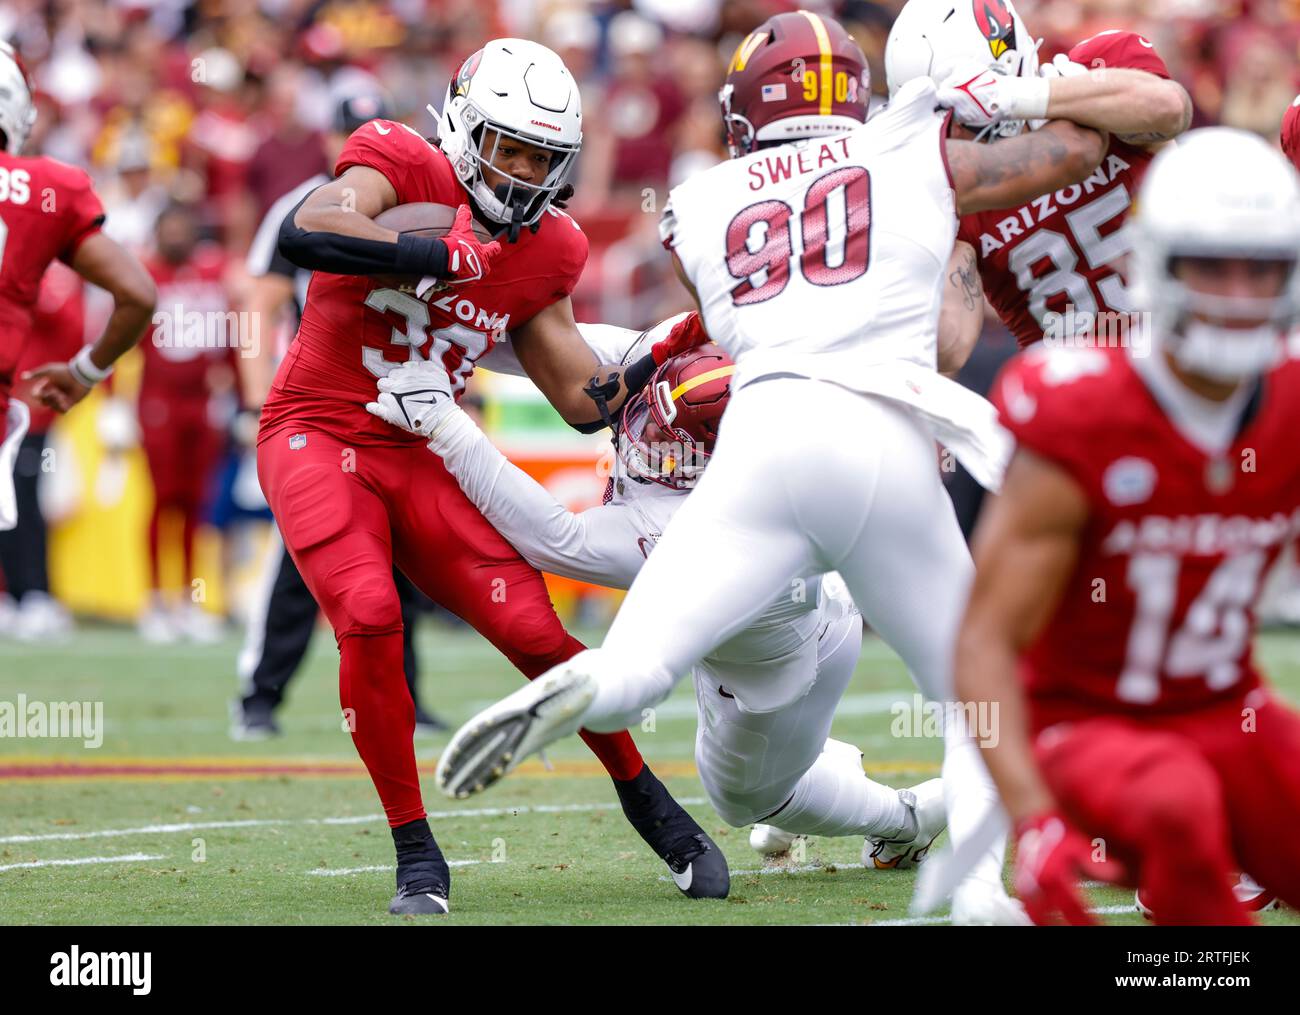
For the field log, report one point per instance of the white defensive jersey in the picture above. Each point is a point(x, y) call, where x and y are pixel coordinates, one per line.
point(826, 256)
point(765, 666)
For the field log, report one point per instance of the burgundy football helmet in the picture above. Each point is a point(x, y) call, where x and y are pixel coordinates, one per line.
point(795, 76)
point(670, 425)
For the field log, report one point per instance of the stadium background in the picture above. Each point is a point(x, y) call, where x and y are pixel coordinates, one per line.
point(221, 105)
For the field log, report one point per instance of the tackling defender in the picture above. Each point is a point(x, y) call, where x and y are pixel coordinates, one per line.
point(825, 459)
point(353, 496)
point(767, 696)
point(1118, 572)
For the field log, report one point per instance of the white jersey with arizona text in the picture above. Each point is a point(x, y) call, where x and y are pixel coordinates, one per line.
point(824, 257)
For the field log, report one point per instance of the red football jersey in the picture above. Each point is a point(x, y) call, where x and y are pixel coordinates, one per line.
point(1157, 615)
point(354, 330)
point(46, 209)
point(192, 334)
point(58, 331)
point(1059, 250)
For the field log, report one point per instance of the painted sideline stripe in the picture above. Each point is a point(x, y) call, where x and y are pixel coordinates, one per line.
point(125, 858)
point(195, 826)
point(36, 767)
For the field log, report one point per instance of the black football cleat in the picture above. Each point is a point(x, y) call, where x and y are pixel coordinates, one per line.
point(252, 719)
point(419, 904)
point(697, 865)
point(423, 878)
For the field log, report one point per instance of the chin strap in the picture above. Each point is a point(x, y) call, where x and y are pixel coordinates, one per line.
point(516, 210)
point(601, 392)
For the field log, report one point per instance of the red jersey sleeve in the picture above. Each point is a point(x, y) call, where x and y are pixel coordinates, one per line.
point(83, 212)
point(417, 171)
point(1115, 48)
point(1044, 396)
point(570, 252)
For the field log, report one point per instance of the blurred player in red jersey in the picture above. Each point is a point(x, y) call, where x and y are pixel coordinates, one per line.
point(48, 210)
point(1118, 570)
point(58, 331)
point(1051, 264)
point(353, 496)
point(189, 358)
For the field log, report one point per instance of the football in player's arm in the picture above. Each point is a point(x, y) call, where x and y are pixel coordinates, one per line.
point(333, 230)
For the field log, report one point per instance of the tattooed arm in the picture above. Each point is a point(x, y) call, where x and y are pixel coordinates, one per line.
point(962, 313)
point(1008, 173)
point(1137, 107)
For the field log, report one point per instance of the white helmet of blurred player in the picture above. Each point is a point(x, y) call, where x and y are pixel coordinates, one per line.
point(935, 38)
point(516, 89)
point(1220, 193)
point(17, 112)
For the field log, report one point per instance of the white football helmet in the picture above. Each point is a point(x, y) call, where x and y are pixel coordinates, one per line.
point(934, 38)
point(17, 111)
point(1220, 192)
point(521, 90)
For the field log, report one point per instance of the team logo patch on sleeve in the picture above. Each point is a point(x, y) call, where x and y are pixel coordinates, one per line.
point(1129, 481)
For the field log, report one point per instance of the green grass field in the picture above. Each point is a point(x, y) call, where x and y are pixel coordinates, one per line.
point(169, 821)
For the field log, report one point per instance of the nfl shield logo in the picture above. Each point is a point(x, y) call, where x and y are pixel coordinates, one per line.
point(297, 442)
point(1218, 475)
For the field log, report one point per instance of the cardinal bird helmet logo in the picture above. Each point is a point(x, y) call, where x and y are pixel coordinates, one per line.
point(995, 21)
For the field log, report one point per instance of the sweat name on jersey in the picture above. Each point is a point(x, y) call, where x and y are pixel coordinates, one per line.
point(786, 165)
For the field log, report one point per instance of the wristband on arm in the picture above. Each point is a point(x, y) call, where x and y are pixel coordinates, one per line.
point(84, 371)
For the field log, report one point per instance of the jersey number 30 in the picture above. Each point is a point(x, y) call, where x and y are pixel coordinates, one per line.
point(760, 247)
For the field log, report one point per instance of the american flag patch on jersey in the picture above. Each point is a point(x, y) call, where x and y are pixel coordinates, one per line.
point(774, 93)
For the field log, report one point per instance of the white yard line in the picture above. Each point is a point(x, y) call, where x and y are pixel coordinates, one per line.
point(359, 819)
point(78, 861)
point(326, 873)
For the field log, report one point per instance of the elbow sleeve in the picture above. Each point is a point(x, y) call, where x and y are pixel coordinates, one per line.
point(353, 255)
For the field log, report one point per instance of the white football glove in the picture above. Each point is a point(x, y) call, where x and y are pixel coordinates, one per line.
point(980, 95)
point(1061, 67)
point(415, 397)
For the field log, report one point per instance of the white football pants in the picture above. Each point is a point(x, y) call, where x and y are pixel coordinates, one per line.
point(750, 762)
point(806, 477)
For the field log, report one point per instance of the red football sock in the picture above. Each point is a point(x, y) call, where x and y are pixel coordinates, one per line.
point(616, 751)
point(378, 707)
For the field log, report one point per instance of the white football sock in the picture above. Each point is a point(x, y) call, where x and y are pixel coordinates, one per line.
point(835, 798)
point(969, 794)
